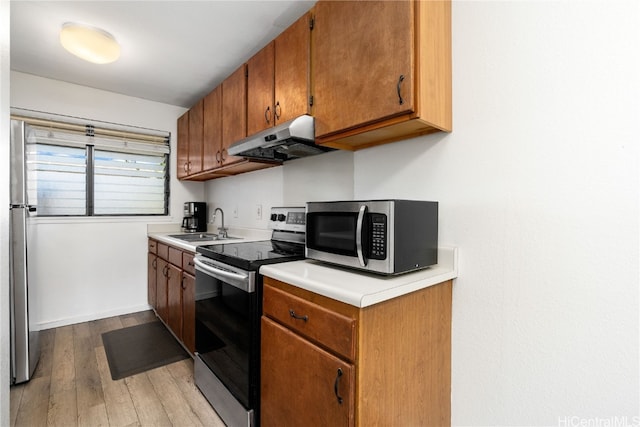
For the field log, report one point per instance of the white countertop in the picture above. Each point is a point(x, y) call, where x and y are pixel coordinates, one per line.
point(163, 233)
point(362, 289)
point(357, 288)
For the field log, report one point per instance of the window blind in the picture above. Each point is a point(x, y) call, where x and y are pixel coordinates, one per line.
point(71, 171)
point(126, 183)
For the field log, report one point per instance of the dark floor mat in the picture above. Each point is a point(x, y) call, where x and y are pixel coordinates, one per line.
point(140, 348)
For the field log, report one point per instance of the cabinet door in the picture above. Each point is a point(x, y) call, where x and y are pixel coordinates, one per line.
point(182, 162)
point(174, 300)
point(260, 81)
point(212, 130)
point(187, 263)
point(152, 267)
point(292, 56)
point(161, 289)
point(362, 62)
point(189, 311)
point(301, 383)
point(195, 137)
point(234, 111)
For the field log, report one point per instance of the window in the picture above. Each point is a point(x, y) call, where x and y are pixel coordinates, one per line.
point(126, 183)
point(74, 173)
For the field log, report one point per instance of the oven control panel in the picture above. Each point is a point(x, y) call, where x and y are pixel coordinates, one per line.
point(288, 219)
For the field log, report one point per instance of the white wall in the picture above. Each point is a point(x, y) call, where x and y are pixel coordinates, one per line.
point(327, 176)
point(92, 268)
point(4, 213)
point(538, 187)
point(241, 193)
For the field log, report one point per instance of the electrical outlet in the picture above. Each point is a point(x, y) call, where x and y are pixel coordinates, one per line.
point(258, 212)
point(235, 211)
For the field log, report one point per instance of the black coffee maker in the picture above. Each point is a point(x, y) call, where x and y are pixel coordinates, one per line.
point(195, 217)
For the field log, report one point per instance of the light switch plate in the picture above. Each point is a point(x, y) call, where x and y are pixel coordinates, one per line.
point(258, 212)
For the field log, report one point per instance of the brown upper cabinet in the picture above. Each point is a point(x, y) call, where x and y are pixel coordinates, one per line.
point(370, 72)
point(224, 118)
point(234, 111)
point(190, 142)
point(278, 79)
point(212, 133)
point(182, 164)
point(260, 84)
point(381, 71)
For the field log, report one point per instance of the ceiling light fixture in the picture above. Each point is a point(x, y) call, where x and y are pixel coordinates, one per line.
point(89, 43)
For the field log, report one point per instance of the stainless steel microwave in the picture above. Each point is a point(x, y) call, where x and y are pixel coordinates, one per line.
point(380, 236)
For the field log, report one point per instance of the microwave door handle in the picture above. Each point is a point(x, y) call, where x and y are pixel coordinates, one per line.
point(359, 223)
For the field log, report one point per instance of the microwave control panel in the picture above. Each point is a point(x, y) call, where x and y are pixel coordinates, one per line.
point(378, 236)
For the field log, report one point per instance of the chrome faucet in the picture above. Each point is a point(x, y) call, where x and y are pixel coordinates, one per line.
point(222, 231)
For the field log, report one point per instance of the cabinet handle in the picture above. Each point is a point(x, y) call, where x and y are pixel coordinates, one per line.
point(400, 80)
point(154, 264)
point(296, 316)
point(185, 167)
point(267, 115)
point(182, 283)
point(335, 386)
point(164, 271)
point(191, 264)
point(168, 273)
point(218, 156)
point(277, 110)
point(223, 156)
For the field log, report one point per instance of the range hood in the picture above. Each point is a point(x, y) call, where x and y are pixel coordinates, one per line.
point(287, 141)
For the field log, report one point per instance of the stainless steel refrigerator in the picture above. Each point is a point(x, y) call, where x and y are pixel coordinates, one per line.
point(25, 346)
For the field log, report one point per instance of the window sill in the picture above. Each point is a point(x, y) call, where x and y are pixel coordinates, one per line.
point(102, 219)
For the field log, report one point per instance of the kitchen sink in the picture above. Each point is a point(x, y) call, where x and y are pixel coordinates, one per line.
point(201, 237)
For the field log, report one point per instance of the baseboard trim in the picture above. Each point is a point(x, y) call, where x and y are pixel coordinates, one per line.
point(89, 317)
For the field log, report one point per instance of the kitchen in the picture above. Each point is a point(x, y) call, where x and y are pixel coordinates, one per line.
point(548, 282)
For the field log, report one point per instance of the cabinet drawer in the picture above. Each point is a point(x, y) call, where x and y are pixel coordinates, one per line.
point(187, 263)
point(328, 328)
point(162, 250)
point(153, 246)
point(175, 257)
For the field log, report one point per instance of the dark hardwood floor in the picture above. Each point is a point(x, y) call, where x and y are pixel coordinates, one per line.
point(72, 385)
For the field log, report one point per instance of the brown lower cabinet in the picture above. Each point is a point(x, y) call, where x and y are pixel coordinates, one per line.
point(189, 311)
point(330, 363)
point(171, 290)
point(161, 306)
point(174, 300)
point(303, 382)
point(152, 267)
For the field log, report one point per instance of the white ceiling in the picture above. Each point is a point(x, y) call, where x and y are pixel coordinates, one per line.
point(173, 52)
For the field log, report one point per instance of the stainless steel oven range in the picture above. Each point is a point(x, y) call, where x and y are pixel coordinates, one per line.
point(228, 310)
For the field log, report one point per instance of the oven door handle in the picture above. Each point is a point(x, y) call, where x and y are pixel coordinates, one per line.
point(216, 272)
point(361, 215)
